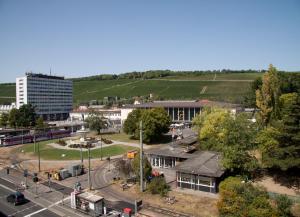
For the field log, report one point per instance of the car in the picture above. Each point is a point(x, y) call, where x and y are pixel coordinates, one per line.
point(16, 198)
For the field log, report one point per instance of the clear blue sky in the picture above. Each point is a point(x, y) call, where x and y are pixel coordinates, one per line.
point(81, 38)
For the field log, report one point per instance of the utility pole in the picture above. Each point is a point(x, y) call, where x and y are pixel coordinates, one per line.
point(101, 148)
point(141, 158)
point(34, 142)
point(89, 172)
point(39, 154)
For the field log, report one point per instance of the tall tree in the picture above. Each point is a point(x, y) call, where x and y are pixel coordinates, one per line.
point(156, 122)
point(267, 98)
point(27, 116)
point(280, 144)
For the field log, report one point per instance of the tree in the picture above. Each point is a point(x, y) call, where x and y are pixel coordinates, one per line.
point(4, 119)
point(155, 123)
point(13, 118)
point(280, 144)
point(40, 124)
point(131, 124)
point(27, 116)
point(267, 98)
point(239, 199)
point(146, 166)
point(96, 122)
point(249, 99)
point(232, 136)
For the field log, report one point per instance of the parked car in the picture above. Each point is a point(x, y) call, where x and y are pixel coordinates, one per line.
point(16, 198)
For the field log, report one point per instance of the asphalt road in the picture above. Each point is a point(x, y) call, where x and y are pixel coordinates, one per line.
point(101, 179)
point(8, 209)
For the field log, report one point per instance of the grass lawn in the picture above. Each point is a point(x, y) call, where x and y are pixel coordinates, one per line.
point(122, 137)
point(50, 153)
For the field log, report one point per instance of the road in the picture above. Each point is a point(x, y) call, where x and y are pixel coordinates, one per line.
point(101, 179)
point(27, 209)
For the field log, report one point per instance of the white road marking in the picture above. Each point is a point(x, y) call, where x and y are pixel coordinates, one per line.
point(36, 212)
point(7, 188)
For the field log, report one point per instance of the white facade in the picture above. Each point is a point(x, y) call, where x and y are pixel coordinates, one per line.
point(51, 96)
point(7, 108)
point(113, 115)
point(124, 114)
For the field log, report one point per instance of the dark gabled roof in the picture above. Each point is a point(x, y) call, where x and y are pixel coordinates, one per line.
point(169, 151)
point(205, 163)
point(175, 149)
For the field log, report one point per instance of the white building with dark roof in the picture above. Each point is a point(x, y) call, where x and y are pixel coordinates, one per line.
point(182, 111)
point(52, 96)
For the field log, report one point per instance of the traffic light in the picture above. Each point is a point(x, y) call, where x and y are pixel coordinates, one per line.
point(7, 170)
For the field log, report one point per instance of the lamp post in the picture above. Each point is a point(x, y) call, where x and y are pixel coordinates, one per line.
point(141, 158)
point(39, 156)
point(89, 172)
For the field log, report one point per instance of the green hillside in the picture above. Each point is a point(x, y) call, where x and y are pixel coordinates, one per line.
point(215, 86)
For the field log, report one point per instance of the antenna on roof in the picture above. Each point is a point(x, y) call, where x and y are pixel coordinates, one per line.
point(50, 70)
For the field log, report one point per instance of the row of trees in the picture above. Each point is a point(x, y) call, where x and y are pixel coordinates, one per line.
point(25, 116)
point(272, 142)
point(275, 135)
point(279, 119)
point(156, 122)
point(162, 73)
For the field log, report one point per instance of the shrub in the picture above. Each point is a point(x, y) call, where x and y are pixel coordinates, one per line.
point(284, 205)
point(158, 185)
point(106, 141)
point(239, 199)
point(61, 142)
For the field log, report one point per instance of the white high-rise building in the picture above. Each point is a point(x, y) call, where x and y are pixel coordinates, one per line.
point(52, 96)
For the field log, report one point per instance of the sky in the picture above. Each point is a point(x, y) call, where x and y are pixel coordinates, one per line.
point(81, 38)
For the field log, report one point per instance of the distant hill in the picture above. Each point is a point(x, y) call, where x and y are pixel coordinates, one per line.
point(225, 85)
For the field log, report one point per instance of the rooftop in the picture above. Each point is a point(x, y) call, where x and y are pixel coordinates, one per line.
point(175, 149)
point(90, 197)
point(184, 104)
point(38, 75)
point(204, 163)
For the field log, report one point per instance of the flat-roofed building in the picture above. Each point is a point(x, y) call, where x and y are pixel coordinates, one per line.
point(183, 111)
point(52, 96)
